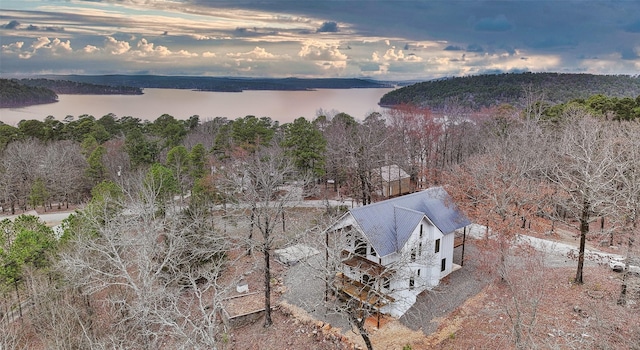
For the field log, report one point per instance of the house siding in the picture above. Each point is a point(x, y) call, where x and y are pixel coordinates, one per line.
point(446, 252)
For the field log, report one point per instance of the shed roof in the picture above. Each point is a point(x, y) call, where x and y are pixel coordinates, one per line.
point(391, 172)
point(388, 224)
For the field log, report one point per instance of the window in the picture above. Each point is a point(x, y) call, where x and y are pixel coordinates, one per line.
point(368, 280)
point(365, 279)
point(419, 272)
point(412, 282)
point(443, 264)
point(413, 254)
point(420, 231)
point(386, 283)
point(361, 247)
point(438, 245)
point(420, 249)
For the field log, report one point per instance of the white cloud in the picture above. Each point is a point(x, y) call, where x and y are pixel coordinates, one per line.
point(146, 48)
point(392, 56)
point(40, 42)
point(185, 53)
point(58, 46)
point(13, 47)
point(319, 51)
point(257, 53)
point(90, 49)
point(208, 54)
point(116, 47)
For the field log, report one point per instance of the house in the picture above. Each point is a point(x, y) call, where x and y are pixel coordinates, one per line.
point(393, 181)
point(397, 248)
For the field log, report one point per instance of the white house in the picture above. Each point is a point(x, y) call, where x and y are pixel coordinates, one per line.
point(397, 248)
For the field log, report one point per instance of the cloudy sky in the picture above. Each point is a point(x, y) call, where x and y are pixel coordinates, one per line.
point(380, 39)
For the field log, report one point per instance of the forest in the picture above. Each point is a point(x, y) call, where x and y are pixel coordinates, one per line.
point(26, 92)
point(79, 88)
point(166, 210)
point(224, 84)
point(14, 94)
point(482, 91)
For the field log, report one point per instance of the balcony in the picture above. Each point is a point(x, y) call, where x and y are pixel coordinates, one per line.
point(365, 265)
point(361, 292)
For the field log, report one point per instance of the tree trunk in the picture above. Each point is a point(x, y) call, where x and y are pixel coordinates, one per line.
point(249, 250)
point(267, 282)
point(584, 230)
point(622, 299)
point(363, 333)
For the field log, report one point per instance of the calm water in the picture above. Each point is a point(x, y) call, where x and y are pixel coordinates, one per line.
point(283, 106)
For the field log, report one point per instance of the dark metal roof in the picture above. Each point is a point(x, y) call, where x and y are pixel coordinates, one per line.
point(389, 224)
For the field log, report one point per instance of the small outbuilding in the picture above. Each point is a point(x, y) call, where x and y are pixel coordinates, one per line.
point(393, 181)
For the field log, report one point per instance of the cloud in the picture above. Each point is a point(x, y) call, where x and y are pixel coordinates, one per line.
point(319, 51)
point(14, 48)
point(453, 48)
point(493, 24)
point(392, 56)
point(116, 47)
point(257, 53)
point(32, 27)
point(90, 49)
point(11, 25)
point(328, 27)
point(629, 54)
point(58, 46)
point(146, 48)
point(474, 48)
point(500, 36)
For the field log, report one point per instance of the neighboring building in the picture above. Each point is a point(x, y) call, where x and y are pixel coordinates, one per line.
point(393, 181)
point(397, 248)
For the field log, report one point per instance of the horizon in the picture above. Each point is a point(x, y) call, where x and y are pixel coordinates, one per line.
point(376, 40)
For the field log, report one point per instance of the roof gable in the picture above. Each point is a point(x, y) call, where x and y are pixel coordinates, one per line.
point(389, 224)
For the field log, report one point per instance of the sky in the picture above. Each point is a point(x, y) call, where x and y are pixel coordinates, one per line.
point(377, 39)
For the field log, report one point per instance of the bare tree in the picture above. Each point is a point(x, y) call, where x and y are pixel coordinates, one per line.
point(583, 168)
point(266, 171)
point(627, 194)
point(416, 132)
point(499, 189)
point(152, 279)
point(63, 168)
point(524, 274)
point(21, 163)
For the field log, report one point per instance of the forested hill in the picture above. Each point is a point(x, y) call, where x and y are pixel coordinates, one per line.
point(491, 90)
point(222, 84)
point(81, 88)
point(14, 94)
point(26, 92)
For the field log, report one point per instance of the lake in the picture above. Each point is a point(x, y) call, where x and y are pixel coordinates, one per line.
point(282, 106)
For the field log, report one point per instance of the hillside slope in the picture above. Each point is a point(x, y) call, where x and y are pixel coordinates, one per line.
point(491, 90)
